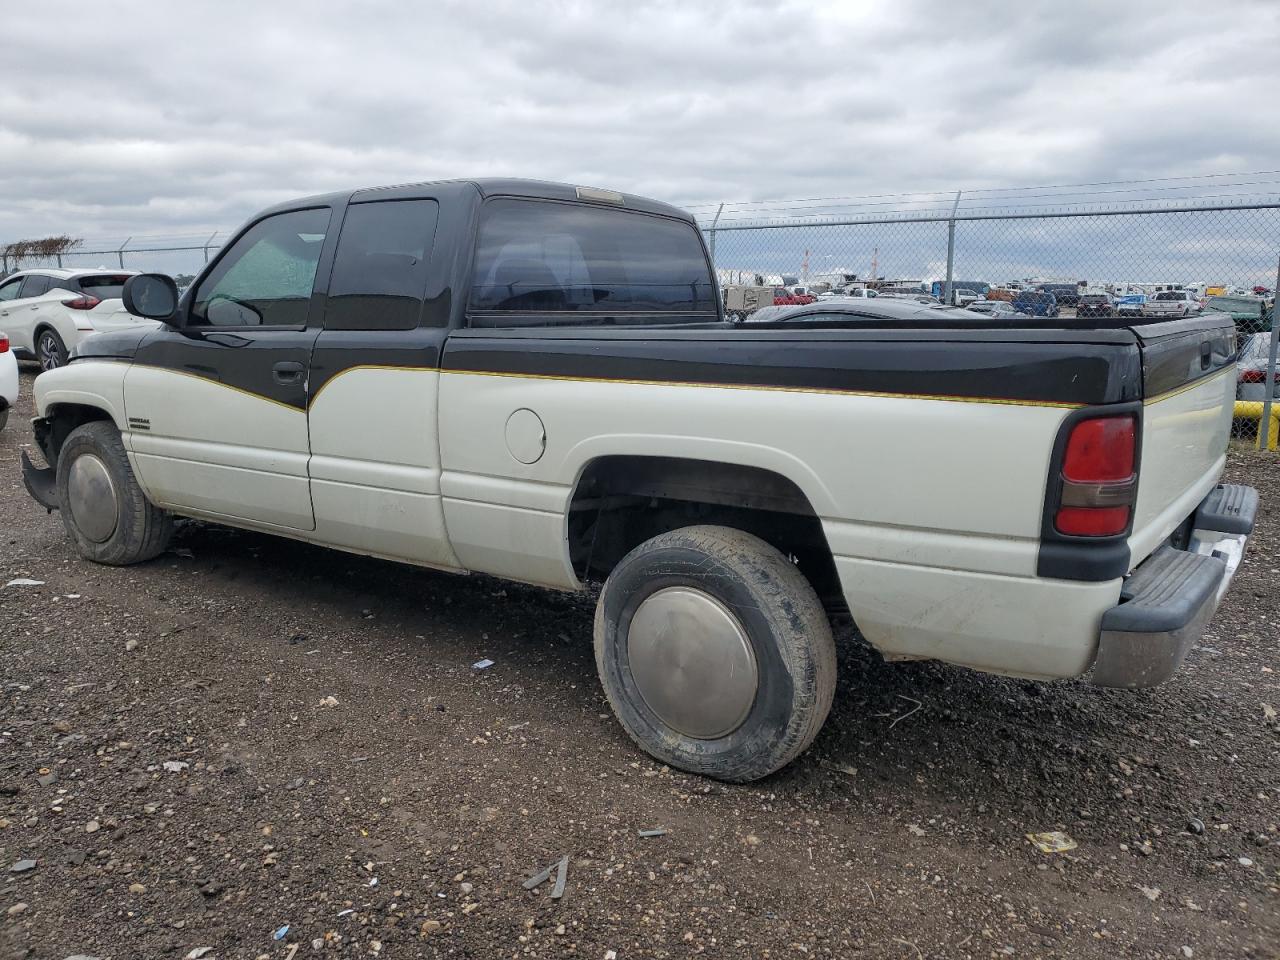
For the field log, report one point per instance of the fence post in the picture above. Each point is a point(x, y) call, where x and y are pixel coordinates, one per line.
point(1264, 422)
point(951, 250)
point(59, 256)
point(207, 244)
point(712, 243)
point(120, 252)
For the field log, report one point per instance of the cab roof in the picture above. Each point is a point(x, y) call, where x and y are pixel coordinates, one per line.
point(494, 187)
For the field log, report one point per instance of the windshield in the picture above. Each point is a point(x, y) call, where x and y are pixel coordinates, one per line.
point(1169, 295)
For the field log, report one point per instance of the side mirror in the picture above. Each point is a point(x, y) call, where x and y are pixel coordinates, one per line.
point(151, 295)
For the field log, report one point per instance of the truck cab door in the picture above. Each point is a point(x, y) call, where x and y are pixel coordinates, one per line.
point(375, 452)
point(217, 407)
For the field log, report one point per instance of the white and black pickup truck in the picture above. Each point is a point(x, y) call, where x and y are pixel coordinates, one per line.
point(535, 381)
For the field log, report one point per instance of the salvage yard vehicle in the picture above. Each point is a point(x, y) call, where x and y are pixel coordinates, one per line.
point(535, 381)
point(8, 379)
point(1171, 303)
point(740, 301)
point(1096, 305)
point(47, 312)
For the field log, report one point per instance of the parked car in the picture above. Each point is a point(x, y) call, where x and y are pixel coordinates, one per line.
point(1171, 303)
point(962, 291)
point(1065, 294)
point(1000, 309)
point(533, 381)
point(782, 297)
point(1035, 303)
point(1250, 314)
point(8, 379)
point(1131, 304)
point(1096, 305)
point(47, 312)
point(1251, 368)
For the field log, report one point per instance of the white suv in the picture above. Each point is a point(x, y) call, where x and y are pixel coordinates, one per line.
point(47, 312)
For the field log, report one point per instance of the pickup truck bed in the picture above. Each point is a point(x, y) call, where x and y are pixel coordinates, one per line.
point(967, 490)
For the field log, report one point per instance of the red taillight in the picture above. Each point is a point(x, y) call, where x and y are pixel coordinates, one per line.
point(1098, 479)
point(82, 303)
point(1253, 376)
point(1100, 450)
point(4, 343)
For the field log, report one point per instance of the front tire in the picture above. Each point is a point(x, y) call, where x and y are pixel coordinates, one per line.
point(715, 653)
point(102, 506)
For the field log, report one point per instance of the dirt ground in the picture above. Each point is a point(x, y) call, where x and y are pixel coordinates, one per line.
point(252, 737)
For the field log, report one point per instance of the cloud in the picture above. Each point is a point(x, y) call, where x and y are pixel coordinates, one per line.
point(172, 118)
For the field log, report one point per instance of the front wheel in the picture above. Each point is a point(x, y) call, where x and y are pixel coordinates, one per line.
point(715, 653)
point(50, 350)
point(102, 506)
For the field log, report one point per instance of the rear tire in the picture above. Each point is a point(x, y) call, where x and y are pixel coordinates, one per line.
point(715, 653)
point(102, 506)
point(51, 352)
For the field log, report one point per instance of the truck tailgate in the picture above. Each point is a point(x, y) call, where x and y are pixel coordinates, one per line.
point(1189, 389)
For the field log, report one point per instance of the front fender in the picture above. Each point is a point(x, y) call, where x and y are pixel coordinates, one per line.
point(85, 383)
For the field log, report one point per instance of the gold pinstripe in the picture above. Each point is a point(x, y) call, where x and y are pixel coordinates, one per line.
point(774, 389)
point(217, 383)
point(682, 383)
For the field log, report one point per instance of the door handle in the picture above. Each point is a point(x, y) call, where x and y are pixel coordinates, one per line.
point(288, 372)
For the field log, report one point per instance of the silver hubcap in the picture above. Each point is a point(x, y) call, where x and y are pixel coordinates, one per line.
point(49, 358)
point(692, 662)
point(92, 498)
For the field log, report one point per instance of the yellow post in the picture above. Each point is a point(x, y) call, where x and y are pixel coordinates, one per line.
point(1252, 410)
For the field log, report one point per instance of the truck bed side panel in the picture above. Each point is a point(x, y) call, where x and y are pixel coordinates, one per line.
point(932, 497)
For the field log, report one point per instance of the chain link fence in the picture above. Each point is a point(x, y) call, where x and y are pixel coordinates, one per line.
point(1001, 250)
point(1031, 265)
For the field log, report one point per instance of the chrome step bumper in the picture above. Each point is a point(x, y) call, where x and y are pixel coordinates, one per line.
point(1171, 596)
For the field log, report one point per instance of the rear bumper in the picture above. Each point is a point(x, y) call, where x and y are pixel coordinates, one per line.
point(1167, 601)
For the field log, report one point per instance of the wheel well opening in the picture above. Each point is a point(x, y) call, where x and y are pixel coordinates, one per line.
point(622, 501)
point(52, 432)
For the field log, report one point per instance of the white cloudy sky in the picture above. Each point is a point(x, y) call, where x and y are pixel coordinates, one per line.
point(168, 118)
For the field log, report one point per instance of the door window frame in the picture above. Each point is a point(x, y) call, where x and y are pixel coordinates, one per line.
point(318, 284)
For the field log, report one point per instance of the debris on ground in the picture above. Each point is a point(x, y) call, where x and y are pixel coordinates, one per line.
point(329, 701)
point(560, 868)
point(1055, 841)
point(484, 664)
point(281, 933)
point(23, 866)
point(654, 832)
point(24, 582)
point(175, 766)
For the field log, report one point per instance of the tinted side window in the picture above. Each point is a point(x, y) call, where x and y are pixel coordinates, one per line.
point(586, 264)
point(9, 290)
point(35, 285)
point(267, 276)
point(380, 272)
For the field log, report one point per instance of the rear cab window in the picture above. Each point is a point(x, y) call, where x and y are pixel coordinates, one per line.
point(547, 263)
